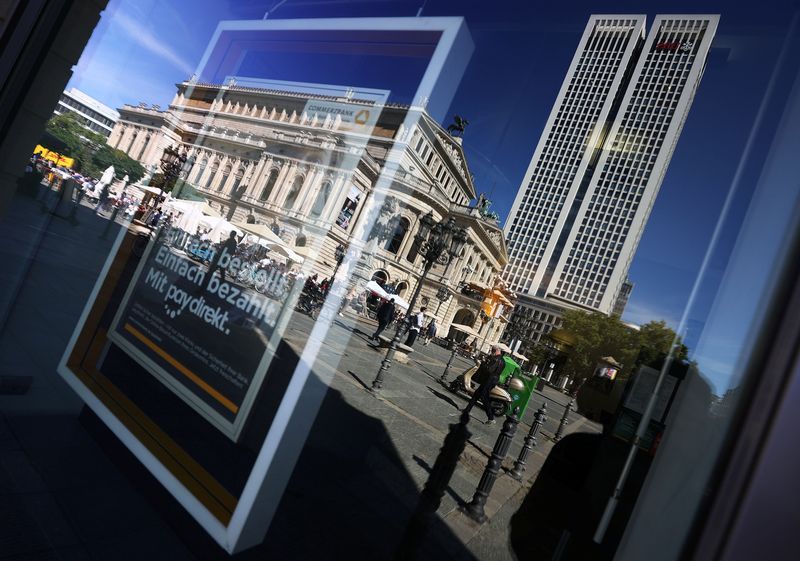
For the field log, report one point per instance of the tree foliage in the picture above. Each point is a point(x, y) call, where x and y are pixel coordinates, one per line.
point(597, 335)
point(89, 148)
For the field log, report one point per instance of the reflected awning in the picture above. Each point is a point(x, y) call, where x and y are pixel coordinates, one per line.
point(262, 231)
point(464, 329)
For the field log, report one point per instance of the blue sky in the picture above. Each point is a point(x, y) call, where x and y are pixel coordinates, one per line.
point(142, 47)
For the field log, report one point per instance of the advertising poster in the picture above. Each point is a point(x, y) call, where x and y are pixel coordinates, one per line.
point(201, 334)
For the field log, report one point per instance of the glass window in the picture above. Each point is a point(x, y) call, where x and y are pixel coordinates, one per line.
point(226, 349)
point(213, 174)
point(321, 199)
point(272, 178)
point(294, 192)
point(398, 235)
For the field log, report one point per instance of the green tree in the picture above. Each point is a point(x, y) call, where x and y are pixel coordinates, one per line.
point(89, 148)
point(597, 335)
point(655, 338)
point(78, 141)
point(123, 164)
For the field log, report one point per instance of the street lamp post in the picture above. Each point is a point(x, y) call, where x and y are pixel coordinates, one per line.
point(442, 295)
point(438, 242)
point(338, 254)
point(174, 164)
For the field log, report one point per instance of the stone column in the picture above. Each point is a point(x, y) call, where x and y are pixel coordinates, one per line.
point(338, 192)
point(405, 245)
point(255, 176)
point(340, 189)
point(261, 181)
point(311, 187)
point(201, 181)
point(284, 183)
point(226, 187)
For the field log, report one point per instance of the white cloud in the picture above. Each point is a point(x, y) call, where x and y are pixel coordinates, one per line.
point(143, 37)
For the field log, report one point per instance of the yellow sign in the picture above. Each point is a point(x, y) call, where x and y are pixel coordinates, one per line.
point(55, 157)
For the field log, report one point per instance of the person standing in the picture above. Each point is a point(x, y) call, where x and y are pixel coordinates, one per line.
point(228, 248)
point(489, 371)
point(430, 331)
point(385, 315)
point(414, 326)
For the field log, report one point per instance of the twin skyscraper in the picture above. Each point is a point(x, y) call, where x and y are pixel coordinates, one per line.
point(587, 194)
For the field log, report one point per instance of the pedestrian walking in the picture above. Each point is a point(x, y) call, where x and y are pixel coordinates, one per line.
point(489, 373)
point(385, 315)
point(414, 326)
point(430, 331)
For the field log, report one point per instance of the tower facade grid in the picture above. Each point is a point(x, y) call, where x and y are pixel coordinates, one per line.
point(566, 146)
point(577, 248)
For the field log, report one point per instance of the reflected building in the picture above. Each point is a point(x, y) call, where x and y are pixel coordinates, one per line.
point(595, 173)
point(93, 114)
point(260, 154)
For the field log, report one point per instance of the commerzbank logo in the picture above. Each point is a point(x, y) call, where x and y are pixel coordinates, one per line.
point(362, 117)
point(675, 46)
point(353, 117)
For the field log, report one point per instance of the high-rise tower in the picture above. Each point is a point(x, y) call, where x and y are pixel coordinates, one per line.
point(594, 176)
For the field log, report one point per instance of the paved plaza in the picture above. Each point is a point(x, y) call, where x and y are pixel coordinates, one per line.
point(68, 495)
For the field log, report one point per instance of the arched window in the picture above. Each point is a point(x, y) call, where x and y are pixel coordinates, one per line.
point(393, 244)
point(300, 240)
point(413, 251)
point(201, 170)
point(294, 191)
point(380, 277)
point(267, 190)
point(321, 200)
point(226, 172)
point(213, 174)
point(237, 181)
point(401, 288)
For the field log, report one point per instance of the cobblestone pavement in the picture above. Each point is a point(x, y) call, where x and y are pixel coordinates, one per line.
point(417, 411)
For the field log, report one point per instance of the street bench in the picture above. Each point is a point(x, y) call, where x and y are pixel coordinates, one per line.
point(401, 351)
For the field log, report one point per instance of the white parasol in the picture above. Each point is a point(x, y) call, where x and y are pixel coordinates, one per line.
point(465, 329)
point(262, 231)
point(285, 250)
point(375, 288)
point(108, 175)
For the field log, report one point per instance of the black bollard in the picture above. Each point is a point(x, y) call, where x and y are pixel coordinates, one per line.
point(475, 509)
point(530, 441)
point(111, 221)
point(563, 423)
point(443, 378)
point(435, 487)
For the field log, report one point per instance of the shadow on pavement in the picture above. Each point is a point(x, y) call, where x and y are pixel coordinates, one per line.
point(348, 497)
point(424, 465)
point(443, 397)
point(359, 380)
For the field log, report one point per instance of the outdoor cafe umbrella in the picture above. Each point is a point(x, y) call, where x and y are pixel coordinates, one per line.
point(465, 329)
point(399, 301)
point(375, 288)
point(108, 176)
point(262, 231)
point(285, 250)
